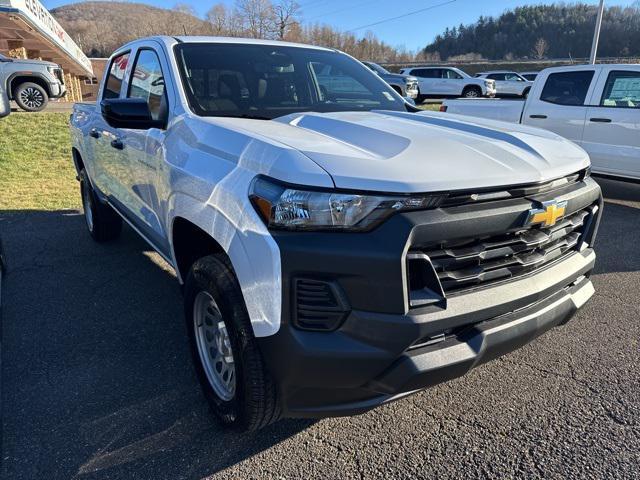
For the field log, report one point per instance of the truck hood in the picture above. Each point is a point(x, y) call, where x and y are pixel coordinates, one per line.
point(27, 62)
point(388, 151)
point(398, 77)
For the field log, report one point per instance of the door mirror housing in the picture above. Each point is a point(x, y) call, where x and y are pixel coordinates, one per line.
point(131, 113)
point(410, 101)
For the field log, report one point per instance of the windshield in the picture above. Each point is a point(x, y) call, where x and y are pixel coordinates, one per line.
point(377, 68)
point(266, 81)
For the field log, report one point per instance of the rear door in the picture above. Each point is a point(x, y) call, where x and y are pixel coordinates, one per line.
point(502, 86)
point(109, 171)
point(427, 78)
point(561, 105)
point(612, 129)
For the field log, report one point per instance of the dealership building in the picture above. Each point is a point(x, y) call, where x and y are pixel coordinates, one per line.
point(28, 30)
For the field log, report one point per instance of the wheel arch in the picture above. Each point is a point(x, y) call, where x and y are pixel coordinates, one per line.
point(18, 78)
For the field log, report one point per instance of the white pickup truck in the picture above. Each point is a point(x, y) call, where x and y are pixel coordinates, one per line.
point(337, 249)
point(596, 106)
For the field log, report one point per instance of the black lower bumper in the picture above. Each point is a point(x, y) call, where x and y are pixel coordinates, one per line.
point(376, 358)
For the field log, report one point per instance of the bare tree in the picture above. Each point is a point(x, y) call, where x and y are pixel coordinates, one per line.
point(258, 17)
point(286, 12)
point(540, 49)
point(184, 8)
point(217, 16)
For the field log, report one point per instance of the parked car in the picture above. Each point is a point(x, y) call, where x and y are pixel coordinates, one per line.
point(449, 82)
point(508, 84)
point(31, 83)
point(5, 107)
point(596, 106)
point(531, 76)
point(337, 249)
point(405, 85)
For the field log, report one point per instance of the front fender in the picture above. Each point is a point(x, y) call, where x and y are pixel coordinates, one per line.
point(253, 252)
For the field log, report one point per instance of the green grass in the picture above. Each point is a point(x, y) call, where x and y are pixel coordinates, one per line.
point(431, 106)
point(36, 170)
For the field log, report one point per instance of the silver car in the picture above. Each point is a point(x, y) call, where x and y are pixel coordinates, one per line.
point(508, 84)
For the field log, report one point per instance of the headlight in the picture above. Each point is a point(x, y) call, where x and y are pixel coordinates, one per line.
point(487, 84)
point(295, 209)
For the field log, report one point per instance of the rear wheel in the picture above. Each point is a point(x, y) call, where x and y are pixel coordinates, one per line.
point(103, 223)
point(228, 361)
point(472, 92)
point(31, 97)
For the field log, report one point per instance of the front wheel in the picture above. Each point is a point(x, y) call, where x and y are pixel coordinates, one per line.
point(228, 361)
point(103, 223)
point(31, 97)
point(472, 92)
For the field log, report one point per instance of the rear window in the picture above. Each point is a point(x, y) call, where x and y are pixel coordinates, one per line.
point(567, 88)
point(113, 85)
point(622, 90)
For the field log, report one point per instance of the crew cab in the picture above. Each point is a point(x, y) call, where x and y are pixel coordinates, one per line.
point(595, 106)
point(449, 82)
point(337, 249)
point(508, 84)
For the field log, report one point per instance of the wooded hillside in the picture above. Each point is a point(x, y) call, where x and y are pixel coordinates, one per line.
point(544, 31)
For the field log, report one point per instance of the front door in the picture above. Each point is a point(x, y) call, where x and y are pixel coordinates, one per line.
point(144, 148)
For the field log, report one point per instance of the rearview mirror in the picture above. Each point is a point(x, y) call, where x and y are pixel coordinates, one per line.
point(131, 113)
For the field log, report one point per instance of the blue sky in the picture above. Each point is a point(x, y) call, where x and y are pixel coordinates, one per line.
point(413, 32)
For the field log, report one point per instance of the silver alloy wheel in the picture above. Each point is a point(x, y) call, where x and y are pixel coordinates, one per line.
point(471, 93)
point(214, 346)
point(86, 205)
point(32, 97)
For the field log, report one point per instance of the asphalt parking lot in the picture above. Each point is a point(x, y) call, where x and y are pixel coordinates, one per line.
point(97, 380)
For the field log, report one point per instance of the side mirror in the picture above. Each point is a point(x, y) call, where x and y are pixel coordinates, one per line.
point(410, 101)
point(5, 107)
point(131, 113)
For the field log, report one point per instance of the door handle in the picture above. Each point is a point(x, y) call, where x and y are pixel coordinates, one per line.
point(538, 116)
point(600, 120)
point(94, 133)
point(117, 144)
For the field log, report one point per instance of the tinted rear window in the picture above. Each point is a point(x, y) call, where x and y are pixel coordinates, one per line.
point(567, 88)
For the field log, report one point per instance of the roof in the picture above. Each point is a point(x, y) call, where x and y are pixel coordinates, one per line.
point(170, 41)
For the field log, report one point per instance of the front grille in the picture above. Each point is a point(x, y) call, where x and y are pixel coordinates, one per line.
point(468, 263)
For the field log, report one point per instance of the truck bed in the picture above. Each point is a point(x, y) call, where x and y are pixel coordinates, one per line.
point(492, 108)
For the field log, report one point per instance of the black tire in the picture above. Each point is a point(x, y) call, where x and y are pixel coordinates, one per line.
point(397, 89)
point(103, 223)
point(254, 404)
point(472, 92)
point(420, 99)
point(31, 97)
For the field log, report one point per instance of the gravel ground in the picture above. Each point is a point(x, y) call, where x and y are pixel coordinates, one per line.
point(97, 380)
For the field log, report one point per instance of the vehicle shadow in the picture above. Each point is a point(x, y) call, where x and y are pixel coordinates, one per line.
point(97, 375)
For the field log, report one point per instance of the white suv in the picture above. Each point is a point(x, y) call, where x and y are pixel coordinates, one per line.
point(449, 82)
point(508, 84)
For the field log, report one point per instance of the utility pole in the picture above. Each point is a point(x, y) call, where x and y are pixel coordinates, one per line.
point(596, 34)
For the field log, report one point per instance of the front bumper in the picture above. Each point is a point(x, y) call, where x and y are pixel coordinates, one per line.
point(58, 90)
point(384, 349)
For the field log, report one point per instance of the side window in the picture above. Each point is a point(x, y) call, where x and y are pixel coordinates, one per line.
point(622, 90)
point(116, 76)
point(567, 88)
point(451, 74)
point(147, 82)
point(512, 77)
point(496, 76)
